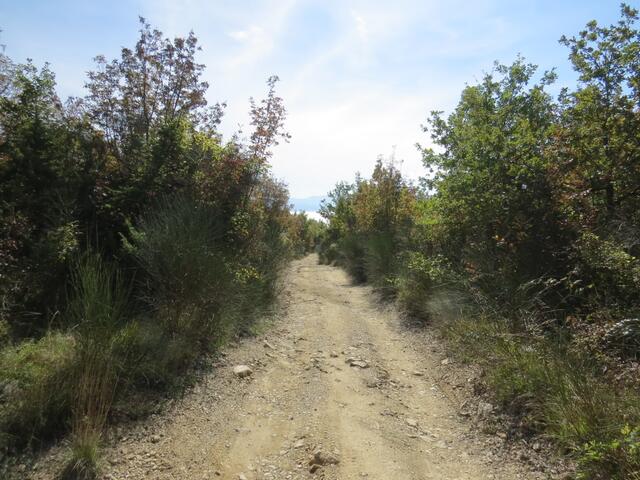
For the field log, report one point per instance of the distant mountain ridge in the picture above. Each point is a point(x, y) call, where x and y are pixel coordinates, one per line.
point(307, 204)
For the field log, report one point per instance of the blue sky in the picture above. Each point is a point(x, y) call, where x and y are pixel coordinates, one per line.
point(358, 77)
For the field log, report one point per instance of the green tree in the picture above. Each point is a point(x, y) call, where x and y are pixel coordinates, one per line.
point(494, 199)
point(42, 169)
point(598, 140)
point(148, 104)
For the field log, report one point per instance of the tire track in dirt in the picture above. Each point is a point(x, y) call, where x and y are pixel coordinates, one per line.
point(335, 374)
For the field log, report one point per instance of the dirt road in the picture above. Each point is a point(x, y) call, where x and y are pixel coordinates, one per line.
point(337, 374)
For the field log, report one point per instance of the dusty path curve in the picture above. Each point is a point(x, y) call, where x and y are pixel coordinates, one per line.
point(389, 420)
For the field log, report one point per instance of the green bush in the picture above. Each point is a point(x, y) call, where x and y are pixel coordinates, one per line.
point(616, 459)
point(623, 338)
point(184, 279)
point(199, 288)
point(328, 250)
point(555, 390)
point(609, 276)
point(352, 257)
point(35, 389)
point(420, 280)
point(177, 245)
point(380, 262)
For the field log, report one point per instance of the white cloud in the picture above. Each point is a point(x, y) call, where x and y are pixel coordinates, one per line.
point(351, 95)
point(361, 25)
point(333, 140)
point(253, 33)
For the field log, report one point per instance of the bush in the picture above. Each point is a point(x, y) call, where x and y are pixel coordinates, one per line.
point(380, 262)
point(608, 276)
point(623, 338)
point(35, 389)
point(183, 280)
point(419, 282)
point(555, 390)
point(178, 246)
point(328, 252)
point(617, 459)
point(352, 257)
point(200, 282)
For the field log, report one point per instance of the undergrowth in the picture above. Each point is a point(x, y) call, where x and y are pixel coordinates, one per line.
point(555, 390)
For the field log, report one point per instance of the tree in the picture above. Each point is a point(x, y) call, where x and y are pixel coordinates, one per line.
point(154, 83)
point(598, 140)
point(6, 71)
point(267, 118)
point(149, 104)
point(491, 184)
point(43, 168)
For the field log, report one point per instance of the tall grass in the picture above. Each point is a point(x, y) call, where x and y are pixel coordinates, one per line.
point(98, 311)
point(556, 390)
point(68, 378)
point(94, 395)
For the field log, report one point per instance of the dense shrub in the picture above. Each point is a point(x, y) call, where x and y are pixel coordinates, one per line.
point(179, 247)
point(608, 275)
point(369, 224)
point(521, 245)
point(35, 397)
point(621, 455)
point(133, 239)
point(421, 280)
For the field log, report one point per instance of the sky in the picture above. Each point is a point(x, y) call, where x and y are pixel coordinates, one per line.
point(358, 77)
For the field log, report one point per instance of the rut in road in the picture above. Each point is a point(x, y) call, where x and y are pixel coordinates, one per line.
point(388, 420)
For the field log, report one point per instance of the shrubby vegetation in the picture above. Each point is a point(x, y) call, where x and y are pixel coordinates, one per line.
point(522, 242)
point(133, 239)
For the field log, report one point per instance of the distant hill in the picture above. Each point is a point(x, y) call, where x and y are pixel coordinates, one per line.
point(307, 204)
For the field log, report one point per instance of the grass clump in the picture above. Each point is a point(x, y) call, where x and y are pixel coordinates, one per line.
point(556, 391)
point(98, 310)
point(35, 389)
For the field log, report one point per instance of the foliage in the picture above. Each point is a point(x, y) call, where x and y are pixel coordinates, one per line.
point(522, 245)
point(597, 145)
point(304, 233)
point(421, 279)
point(369, 222)
point(607, 274)
point(495, 202)
point(178, 245)
point(41, 177)
point(133, 238)
point(35, 395)
point(622, 454)
point(549, 385)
